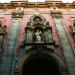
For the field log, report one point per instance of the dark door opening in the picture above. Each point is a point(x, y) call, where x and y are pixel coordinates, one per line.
point(41, 66)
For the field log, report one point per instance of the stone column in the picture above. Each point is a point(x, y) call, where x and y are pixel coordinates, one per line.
point(9, 58)
point(65, 43)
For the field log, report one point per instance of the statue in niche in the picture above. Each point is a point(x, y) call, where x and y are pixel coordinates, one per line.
point(4, 30)
point(38, 36)
point(72, 27)
point(29, 36)
point(1, 35)
point(48, 36)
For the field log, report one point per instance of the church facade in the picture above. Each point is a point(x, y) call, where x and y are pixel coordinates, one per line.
point(37, 38)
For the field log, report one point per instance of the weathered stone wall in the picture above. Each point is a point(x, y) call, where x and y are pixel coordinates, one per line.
point(68, 15)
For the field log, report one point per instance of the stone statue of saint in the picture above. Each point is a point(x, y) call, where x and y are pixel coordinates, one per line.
point(38, 36)
point(1, 35)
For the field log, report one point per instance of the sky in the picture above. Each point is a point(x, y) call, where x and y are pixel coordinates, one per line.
point(8, 1)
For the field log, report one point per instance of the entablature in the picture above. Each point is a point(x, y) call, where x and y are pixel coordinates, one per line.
point(46, 4)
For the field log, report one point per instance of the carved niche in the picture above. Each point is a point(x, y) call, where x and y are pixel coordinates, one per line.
point(38, 30)
point(3, 32)
point(1, 35)
point(72, 28)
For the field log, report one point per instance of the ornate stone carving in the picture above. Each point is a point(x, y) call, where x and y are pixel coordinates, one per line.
point(73, 31)
point(18, 13)
point(37, 20)
point(1, 35)
point(56, 13)
point(46, 4)
point(72, 28)
point(38, 30)
point(47, 24)
point(48, 33)
point(43, 44)
point(3, 32)
point(38, 36)
point(28, 23)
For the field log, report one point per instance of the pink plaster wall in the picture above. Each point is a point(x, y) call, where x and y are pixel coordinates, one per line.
point(6, 20)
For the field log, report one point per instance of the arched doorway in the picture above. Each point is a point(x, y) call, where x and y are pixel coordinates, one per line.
point(40, 64)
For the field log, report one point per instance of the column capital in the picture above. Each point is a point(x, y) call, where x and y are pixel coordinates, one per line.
point(18, 13)
point(56, 13)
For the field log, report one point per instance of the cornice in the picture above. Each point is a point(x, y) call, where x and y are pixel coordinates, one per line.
point(26, 4)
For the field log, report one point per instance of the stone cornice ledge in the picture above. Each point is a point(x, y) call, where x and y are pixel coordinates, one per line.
point(26, 4)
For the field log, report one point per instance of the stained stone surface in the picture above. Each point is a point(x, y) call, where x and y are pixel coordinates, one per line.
point(68, 50)
point(9, 53)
